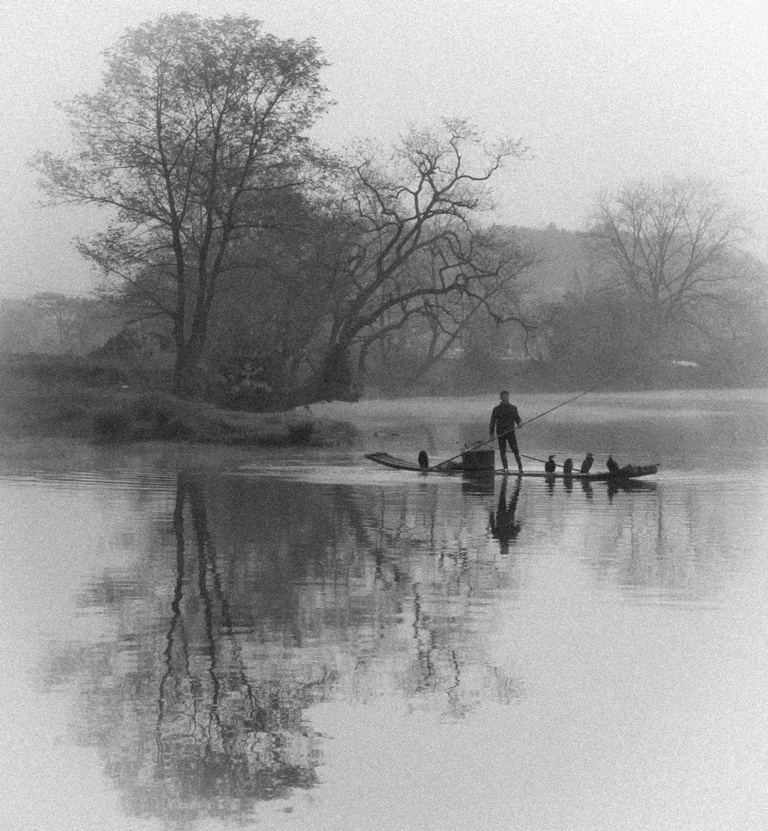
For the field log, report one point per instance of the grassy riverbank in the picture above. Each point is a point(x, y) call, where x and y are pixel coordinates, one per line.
point(53, 397)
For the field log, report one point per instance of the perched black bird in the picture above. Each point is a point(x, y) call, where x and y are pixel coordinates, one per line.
point(613, 466)
point(549, 465)
point(423, 459)
point(587, 463)
point(568, 467)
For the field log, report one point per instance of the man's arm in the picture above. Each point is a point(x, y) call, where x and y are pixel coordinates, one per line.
point(493, 422)
point(518, 420)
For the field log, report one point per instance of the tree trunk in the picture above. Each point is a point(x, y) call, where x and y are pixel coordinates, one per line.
point(186, 371)
point(336, 379)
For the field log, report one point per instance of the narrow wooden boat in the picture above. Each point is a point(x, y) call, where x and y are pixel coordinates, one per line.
point(625, 473)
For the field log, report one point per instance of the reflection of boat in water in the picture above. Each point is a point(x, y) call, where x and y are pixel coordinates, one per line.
point(627, 473)
point(615, 485)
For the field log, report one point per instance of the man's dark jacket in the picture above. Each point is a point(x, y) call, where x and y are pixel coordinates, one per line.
point(504, 417)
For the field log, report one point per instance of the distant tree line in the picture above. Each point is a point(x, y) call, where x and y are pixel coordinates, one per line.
point(672, 296)
point(54, 323)
point(265, 271)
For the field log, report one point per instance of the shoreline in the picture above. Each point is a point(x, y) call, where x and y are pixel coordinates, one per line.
point(46, 397)
point(127, 417)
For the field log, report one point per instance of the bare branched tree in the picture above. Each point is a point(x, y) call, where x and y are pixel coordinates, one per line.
point(675, 247)
point(413, 250)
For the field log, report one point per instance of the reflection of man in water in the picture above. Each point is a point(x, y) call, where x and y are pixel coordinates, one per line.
point(503, 420)
point(503, 525)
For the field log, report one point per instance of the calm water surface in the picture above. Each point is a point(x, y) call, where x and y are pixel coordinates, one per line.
point(224, 639)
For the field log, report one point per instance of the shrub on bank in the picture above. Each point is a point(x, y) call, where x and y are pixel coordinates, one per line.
point(163, 417)
point(56, 396)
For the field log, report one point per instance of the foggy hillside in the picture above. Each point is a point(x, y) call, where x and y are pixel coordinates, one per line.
point(562, 263)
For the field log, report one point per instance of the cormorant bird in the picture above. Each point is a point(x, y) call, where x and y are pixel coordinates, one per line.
point(613, 466)
point(568, 467)
point(549, 466)
point(423, 459)
point(587, 463)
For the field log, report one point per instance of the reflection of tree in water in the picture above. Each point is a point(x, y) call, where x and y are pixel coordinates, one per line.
point(220, 734)
point(186, 726)
point(262, 598)
point(390, 585)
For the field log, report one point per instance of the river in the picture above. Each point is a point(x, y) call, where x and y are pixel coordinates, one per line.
point(219, 638)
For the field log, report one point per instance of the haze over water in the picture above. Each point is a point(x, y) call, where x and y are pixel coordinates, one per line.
point(201, 638)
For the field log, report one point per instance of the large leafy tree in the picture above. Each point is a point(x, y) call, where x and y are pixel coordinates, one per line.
point(196, 121)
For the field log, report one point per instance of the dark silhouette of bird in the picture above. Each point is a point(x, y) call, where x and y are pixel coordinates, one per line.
point(549, 465)
point(568, 467)
point(587, 463)
point(423, 459)
point(613, 465)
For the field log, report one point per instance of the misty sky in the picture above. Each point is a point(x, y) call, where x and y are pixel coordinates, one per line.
point(602, 91)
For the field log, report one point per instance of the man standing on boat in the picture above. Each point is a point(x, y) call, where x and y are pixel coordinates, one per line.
point(504, 418)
